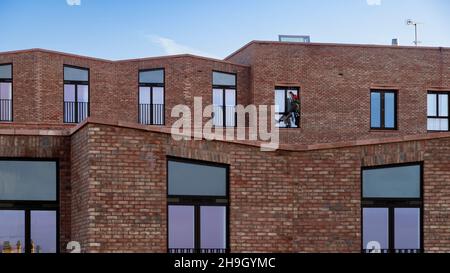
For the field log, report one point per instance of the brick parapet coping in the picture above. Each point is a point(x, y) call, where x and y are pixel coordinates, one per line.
point(68, 130)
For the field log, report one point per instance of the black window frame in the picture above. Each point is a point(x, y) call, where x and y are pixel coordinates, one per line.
point(151, 86)
point(382, 109)
point(29, 206)
point(286, 90)
point(9, 80)
point(76, 83)
point(438, 93)
point(223, 88)
point(394, 203)
point(197, 202)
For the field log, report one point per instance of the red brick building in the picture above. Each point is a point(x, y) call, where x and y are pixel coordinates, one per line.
point(86, 153)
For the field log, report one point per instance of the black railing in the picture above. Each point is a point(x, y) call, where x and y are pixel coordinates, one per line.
point(151, 114)
point(5, 110)
point(194, 250)
point(225, 116)
point(75, 112)
point(394, 251)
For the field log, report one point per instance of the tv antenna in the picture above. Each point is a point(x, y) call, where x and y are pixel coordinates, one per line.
point(410, 22)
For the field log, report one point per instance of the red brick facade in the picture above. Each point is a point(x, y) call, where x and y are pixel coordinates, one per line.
point(304, 197)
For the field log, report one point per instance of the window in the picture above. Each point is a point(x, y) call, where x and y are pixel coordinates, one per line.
point(151, 97)
point(383, 110)
point(76, 94)
point(197, 207)
point(437, 103)
point(28, 206)
point(6, 92)
point(392, 209)
point(287, 107)
point(224, 99)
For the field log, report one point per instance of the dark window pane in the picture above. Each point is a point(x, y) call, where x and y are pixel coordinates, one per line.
point(389, 110)
point(196, 179)
point(5, 71)
point(376, 227)
point(399, 182)
point(75, 74)
point(181, 227)
point(375, 114)
point(12, 231)
point(407, 228)
point(28, 180)
point(153, 76)
point(43, 231)
point(213, 227)
point(224, 79)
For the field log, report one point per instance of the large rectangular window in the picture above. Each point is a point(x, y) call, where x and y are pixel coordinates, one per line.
point(287, 107)
point(151, 97)
point(197, 206)
point(6, 92)
point(224, 99)
point(392, 209)
point(76, 94)
point(28, 206)
point(383, 109)
point(437, 111)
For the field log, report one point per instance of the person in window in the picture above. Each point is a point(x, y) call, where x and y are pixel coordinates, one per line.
point(293, 109)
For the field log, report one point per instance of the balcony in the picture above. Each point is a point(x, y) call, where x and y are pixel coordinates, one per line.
point(198, 251)
point(5, 110)
point(151, 114)
point(392, 251)
point(75, 112)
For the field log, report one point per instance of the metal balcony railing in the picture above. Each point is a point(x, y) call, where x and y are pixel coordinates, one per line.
point(224, 116)
point(75, 112)
point(390, 251)
point(151, 114)
point(5, 110)
point(196, 251)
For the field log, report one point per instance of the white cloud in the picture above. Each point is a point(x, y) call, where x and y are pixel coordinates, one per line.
point(73, 2)
point(373, 2)
point(171, 47)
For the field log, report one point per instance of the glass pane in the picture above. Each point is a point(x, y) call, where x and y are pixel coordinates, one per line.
point(280, 101)
point(217, 96)
point(407, 228)
point(158, 95)
point(181, 227)
point(5, 90)
point(389, 110)
point(144, 95)
point(431, 105)
point(153, 76)
point(83, 93)
point(224, 79)
point(230, 97)
point(375, 110)
point(28, 180)
point(398, 182)
point(69, 92)
point(376, 227)
point(213, 227)
point(43, 231)
point(5, 71)
point(75, 74)
point(443, 105)
point(196, 179)
point(12, 231)
point(437, 124)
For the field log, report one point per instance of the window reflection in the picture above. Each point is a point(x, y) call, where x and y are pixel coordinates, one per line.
point(12, 231)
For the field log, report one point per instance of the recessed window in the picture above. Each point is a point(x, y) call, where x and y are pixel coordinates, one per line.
point(224, 99)
point(6, 92)
point(383, 110)
point(391, 209)
point(151, 97)
point(76, 94)
point(287, 107)
point(197, 207)
point(437, 111)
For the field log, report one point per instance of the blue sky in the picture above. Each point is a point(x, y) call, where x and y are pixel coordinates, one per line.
point(122, 29)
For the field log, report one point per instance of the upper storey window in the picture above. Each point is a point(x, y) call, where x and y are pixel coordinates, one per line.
point(438, 111)
point(383, 109)
point(287, 107)
point(151, 97)
point(6, 92)
point(224, 99)
point(76, 94)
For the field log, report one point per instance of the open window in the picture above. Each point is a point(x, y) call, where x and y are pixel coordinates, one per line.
point(287, 107)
